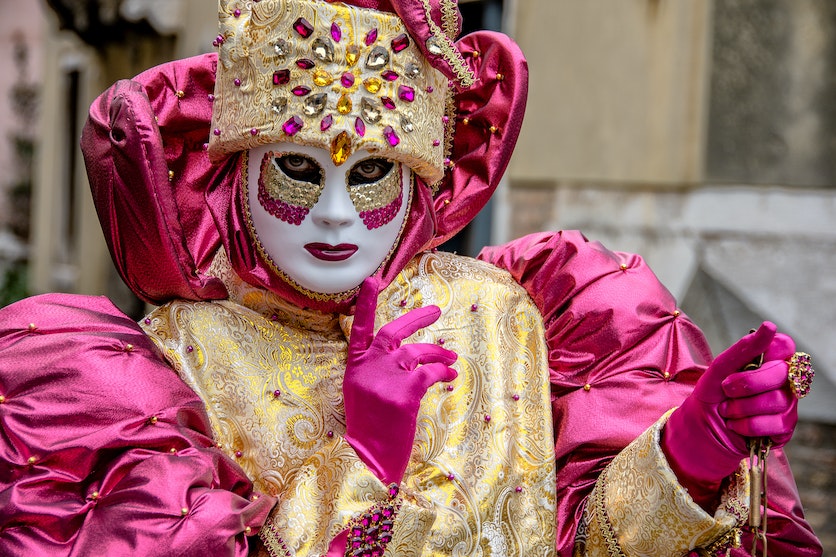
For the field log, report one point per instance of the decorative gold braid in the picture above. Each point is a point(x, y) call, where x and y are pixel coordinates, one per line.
point(450, 18)
point(449, 52)
point(272, 541)
point(598, 509)
point(319, 296)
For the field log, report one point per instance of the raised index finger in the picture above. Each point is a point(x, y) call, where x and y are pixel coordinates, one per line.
point(407, 324)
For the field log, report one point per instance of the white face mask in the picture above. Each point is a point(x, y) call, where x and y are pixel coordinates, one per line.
point(325, 227)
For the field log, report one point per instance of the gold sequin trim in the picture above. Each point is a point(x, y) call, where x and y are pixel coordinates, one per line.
point(279, 185)
point(598, 508)
point(367, 197)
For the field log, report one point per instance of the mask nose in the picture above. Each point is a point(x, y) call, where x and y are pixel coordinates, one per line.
point(334, 208)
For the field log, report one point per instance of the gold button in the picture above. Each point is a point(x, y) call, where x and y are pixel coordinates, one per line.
point(2, 399)
point(247, 530)
point(667, 375)
point(500, 77)
point(32, 460)
point(154, 420)
point(170, 175)
point(676, 313)
point(587, 387)
point(32, 327)
point(95, 496)
point(475, 53)
point(623, 266)
point(129, 348)
point(184, 511)
point(255, 498)
point(466, 121)
point(180, 94)
point(494, 129)
point(172, 450)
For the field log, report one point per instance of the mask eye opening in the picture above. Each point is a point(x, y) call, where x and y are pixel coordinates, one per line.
point(369, 171)
point(299, 167)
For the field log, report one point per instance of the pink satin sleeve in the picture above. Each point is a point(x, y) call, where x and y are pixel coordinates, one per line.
point(620, 354)
point(103, 449)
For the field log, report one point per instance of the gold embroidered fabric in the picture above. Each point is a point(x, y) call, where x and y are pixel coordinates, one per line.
point(481, 478)
point(638, 508)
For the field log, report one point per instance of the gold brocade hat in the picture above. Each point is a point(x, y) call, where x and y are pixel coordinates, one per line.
point(328, 75)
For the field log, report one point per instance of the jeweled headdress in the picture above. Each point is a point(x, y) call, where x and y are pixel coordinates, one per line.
point(329, 75)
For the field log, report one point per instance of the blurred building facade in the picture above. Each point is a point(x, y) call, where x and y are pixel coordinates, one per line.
point(701, 135)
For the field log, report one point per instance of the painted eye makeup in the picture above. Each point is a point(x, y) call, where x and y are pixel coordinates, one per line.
point(289, 185)
point(376, 190)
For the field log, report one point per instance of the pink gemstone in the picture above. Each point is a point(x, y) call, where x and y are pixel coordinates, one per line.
point(336, 32)
point(473, 307)
point(205, 146)
point(388, 103)
point(147, 321)
point(305, 63)
point(326, 123)
point(281, 77)
point(518, 489)
point(406, 93)
point(450, 388)
point(301, 90)
point(217, 131)
point(441, 341)
point(402, 303)
point(303, 27)
point(487, 418)
point(389, 75)
point(293, 125)
point(190, 349)
point(277, 393)
point(430, 89)
point(400, 42)
point(360, 127)
point(330, 434)
point(254, 131)
point(516, 397)
point(436, 143)
point(451, 476)
point(445, 119)
point(211, 97)
point(237, 82)
point(347, 79)
point(237, 13)
point(239, 454)
point(392, 138)
point(371, 37)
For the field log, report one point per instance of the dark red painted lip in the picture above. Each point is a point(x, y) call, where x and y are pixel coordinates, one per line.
point(327, 252)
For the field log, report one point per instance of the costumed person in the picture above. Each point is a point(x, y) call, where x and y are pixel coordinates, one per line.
point(317, 379)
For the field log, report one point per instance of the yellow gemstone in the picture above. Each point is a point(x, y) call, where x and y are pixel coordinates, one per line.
point(344, 105)
point(352, 54)
point(341, 148)
point(322, 78)
point(373, 84)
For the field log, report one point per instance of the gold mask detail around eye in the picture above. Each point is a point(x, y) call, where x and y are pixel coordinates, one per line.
point(375, 195)
point(281, 187)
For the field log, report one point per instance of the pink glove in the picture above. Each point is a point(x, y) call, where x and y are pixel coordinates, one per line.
point(706, 438)
point(385, 382)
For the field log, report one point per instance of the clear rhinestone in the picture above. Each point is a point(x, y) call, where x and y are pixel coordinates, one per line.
point(315, 104)
point(377, 58)
point(369, 111)
point(323, 49)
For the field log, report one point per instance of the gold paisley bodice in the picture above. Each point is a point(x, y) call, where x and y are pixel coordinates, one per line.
point(481, 477)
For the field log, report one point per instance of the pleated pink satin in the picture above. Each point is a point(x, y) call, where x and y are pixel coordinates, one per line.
point(104, 450)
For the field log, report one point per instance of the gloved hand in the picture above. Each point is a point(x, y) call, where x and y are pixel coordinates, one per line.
point(385, 382)
point(705, 439)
